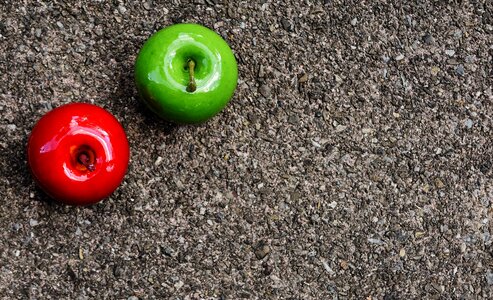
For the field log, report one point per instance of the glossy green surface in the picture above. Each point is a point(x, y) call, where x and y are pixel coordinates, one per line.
point(162, 76)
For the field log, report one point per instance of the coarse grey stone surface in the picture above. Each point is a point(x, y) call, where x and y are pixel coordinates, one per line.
point(354, 161)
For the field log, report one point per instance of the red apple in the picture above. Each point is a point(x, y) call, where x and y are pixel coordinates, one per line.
point(78, 153)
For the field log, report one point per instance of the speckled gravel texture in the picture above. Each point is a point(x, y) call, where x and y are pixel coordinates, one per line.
point(354, 161)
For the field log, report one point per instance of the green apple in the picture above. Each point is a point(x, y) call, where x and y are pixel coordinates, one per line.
point(186, 73)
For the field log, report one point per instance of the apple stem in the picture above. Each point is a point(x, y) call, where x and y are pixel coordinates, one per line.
point(192, 86)
point(86, 161)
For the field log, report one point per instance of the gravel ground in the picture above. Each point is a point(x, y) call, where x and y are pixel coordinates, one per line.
point(354, 161)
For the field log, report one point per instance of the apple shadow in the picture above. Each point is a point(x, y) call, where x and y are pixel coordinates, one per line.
point(127, 90)
point(19, 176)
point(151, 120)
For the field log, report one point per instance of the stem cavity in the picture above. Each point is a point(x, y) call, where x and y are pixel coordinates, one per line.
point(85, 160)
point(192, 86)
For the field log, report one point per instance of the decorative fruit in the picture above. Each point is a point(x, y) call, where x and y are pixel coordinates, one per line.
point(186, 73)
point(78, 153)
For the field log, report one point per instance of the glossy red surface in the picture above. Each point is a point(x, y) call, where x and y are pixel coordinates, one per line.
point(59, 139)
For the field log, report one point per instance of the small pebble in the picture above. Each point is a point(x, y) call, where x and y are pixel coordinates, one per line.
point(179, 284)
point(158, 161)
point(402, 252)
point(267, 269)
point(265, 90)
point(286, 25)
point(450, 52)
point(168, 251)
point(489, 277)
point(354, 21)
point(435, 70)
point(33, 222)
point(344, 265)
point(316, 144)
point(261, 71)
point(218, 24)
point(470, 59)
point(262, 250)
point(469, 123)
point(439, 183)
point(122, 9)
point(428, 39)
point(340, 128)
point(327, 267)
point(460, 70)
point(458, 34)
point(303, 78)
point(294, 196)
point(399, 57)
point(375, 241)
point(293, 119)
